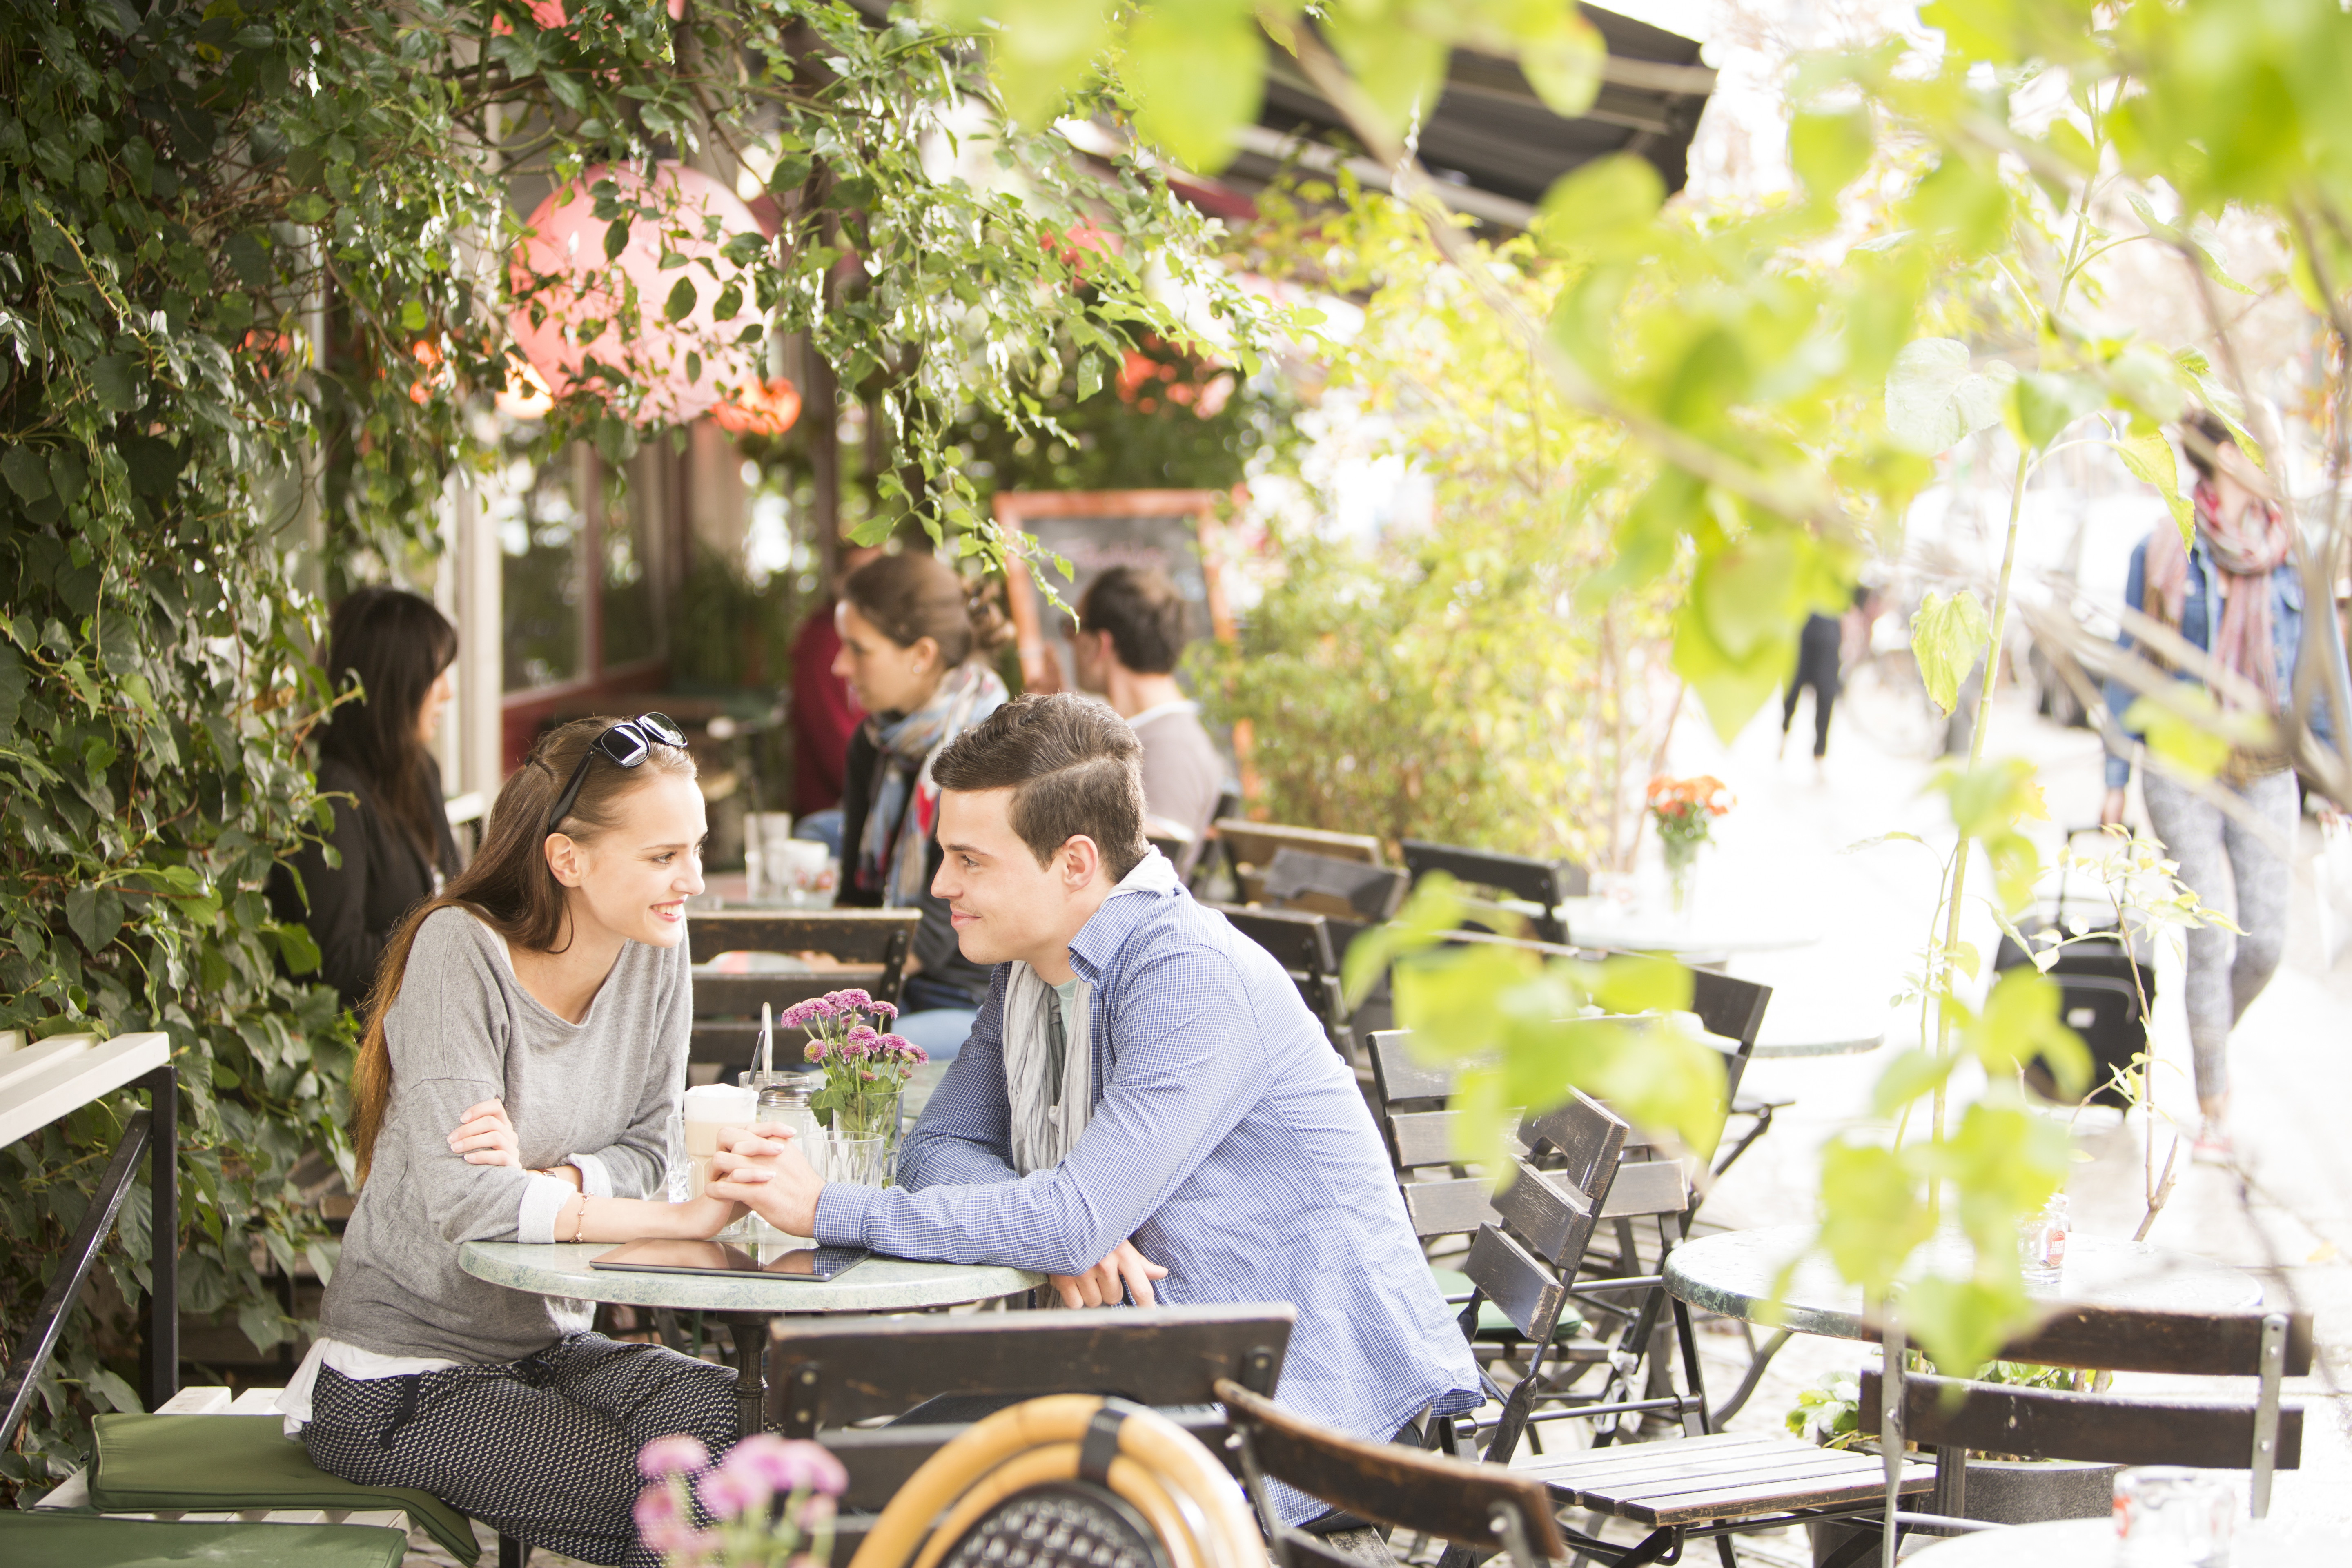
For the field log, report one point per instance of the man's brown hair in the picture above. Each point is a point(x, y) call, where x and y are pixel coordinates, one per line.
point(1074, 767)
point(1142, 612)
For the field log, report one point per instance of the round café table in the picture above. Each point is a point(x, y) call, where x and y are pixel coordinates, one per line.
point(1733, 1276)
point(2092, 1543)
point(747, 1304)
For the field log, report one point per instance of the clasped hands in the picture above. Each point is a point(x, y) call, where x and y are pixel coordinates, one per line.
point(763, 1170)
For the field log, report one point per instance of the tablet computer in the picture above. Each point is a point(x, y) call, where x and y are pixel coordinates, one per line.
point(762, 1259)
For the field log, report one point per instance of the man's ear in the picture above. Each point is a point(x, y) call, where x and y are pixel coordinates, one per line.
point(1081, 859)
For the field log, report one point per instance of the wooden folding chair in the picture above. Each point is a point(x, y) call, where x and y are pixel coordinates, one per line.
point(1475, 1507)
point(1250, 848)
point(868, 949)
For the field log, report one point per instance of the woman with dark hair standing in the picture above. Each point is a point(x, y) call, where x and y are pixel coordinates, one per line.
point(2233, 592)
point(525, 1045)
point(391, 833)
point(913, 634)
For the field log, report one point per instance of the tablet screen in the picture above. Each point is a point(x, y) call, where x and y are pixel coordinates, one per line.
point(783, 1259)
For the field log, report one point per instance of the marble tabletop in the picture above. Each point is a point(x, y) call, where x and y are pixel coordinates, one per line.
point(2092, 1543)
point(877, 1285)
point(1733, 1274)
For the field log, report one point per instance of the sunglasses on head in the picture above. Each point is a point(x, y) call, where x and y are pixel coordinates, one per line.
point(625, 745)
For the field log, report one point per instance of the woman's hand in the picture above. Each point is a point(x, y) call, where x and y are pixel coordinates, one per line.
point(485, 1137)
point(763, 1169)
point(2111, 808)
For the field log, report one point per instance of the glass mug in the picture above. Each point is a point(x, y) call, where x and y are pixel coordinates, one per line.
point(2167, 1516)
point(711, 1109)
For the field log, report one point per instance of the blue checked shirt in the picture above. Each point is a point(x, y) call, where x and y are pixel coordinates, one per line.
point(1227, 1140)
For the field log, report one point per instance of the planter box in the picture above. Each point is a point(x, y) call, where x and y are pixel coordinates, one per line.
point(2005, 1491)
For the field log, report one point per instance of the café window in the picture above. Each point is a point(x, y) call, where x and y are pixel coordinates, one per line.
point(584, 574)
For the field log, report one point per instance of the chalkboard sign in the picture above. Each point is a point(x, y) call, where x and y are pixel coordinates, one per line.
point(1170, 531)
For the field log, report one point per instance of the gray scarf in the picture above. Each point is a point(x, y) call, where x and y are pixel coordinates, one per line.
point(1045, 1129)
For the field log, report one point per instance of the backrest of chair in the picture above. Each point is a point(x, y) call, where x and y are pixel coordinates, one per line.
point(2186, 1344)
point(824, 1375)
point(1409, 1106)
point(1349, 889)
point(1541, 882)
point(1387, 1483)
point(2042, 1423)
point(1504, 1272)
point(1251, 847)
point(876, 941)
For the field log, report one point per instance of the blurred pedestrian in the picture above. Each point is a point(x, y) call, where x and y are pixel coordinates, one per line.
point(1817, 667)
point(914, 645)
point(1130, 634)
point(390, 827)
point(2234, 592)
point(824, 713)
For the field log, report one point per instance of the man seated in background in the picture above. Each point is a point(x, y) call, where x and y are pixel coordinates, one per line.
point(1145, 1109)
point(1129, 634)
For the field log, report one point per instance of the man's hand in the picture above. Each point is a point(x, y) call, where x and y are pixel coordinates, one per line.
point(485, 1137)
point(1124, 1271)
point(763, 1169)
point(2111, 809)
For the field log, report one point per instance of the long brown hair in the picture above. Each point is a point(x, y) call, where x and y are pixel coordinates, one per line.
point(396, 644)
point(509, 885)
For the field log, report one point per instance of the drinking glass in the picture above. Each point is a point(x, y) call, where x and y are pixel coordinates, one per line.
point(859, 1161)
point(2167, 1516)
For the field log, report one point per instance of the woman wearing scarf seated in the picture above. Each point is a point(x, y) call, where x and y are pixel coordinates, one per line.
point(2235, 593)
point(913, 640)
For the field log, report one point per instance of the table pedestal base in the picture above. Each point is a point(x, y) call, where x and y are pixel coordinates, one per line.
point(751, 1332)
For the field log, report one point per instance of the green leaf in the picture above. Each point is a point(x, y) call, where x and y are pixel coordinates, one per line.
point(1562, 59)
point(11, 689)
point(1934, 401)
point(1039, 50)
point(26, 474)
point(1606, 203)
point(95, 914)
point(113, 379)
point(680, 303)
point(2150, 457)
point(1634, 983)
point(297, 946)
point(1961, 1324)
point(1198, 76)
point(617, 239)
point(413, 317)
point(1090, 375)
point(1874, 1212)
point(1910, 1075)
point(730, 302)
point(1828, 150)
point(2195, 744)
point(1947, 637)
point(2043, 405)
point(1401, 67)
point(2019, 1022)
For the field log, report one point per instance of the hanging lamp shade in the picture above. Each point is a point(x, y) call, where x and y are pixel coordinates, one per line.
point(574, 322)
point(764, 408)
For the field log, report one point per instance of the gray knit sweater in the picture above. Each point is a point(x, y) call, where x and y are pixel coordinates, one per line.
point(463, 1031)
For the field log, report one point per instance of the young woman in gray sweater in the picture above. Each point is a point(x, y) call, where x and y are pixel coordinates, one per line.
point(526, 1042)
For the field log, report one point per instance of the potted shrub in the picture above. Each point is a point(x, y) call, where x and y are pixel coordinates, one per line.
point(2002, 1488)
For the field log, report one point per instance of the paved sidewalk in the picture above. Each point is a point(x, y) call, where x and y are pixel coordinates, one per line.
point(1784, 855)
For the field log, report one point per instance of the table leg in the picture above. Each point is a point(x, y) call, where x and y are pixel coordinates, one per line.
point(751, 1332)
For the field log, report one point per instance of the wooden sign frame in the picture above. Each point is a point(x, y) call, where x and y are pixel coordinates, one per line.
point(1015, 509)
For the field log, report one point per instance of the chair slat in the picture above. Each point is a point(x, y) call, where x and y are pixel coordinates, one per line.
point(881, 1459)
point(2189, 1345)
point(1555, 1220)
point(1418, 1138)
point(2138, 1429)
point(1588, 1136)
point(1398, 1076)
point(1645, 1187)
point(1529, 1294)
point(720, 994)
point(1448, 1208)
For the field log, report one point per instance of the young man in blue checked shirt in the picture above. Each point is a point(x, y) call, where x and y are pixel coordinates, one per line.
point(1145, 1109)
